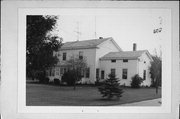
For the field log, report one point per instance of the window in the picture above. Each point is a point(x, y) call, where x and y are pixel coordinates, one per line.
point(144, 74)
point(113, 71)
point(65, 70)
point(125, 60)
point(61, 71)
point(47, 72)
point(57, 71)
point(80, 54)
point(52, 72)
point(87, 72)
point(113, 60)
point(59, 54)
point(64, 56)
point(124, 74)
point(97, 73)
point(82, 72)
point(102, 74)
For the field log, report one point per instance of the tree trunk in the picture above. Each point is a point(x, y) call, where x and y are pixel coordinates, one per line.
point(74, 85)
point(156, 86)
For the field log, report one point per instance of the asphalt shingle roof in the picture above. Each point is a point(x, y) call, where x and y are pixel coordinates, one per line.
point(83, 44)
point(123, 55)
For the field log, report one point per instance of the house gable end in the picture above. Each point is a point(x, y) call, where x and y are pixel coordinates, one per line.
point(112, 41)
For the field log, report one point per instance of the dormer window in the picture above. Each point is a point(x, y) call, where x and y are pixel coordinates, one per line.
point(125, 60)
point(113, 61)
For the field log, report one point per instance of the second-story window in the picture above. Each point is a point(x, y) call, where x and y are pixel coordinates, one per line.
point(64, 56)
point(113, 61)
point(125, 60)
point(80, 54)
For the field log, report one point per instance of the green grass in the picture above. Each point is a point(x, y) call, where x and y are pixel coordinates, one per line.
point(49, 95)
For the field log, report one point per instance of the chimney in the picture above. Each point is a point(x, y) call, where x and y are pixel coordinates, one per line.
point(134, 47)
point(100, 37)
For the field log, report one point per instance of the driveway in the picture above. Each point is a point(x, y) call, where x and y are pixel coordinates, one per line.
point(154, 102)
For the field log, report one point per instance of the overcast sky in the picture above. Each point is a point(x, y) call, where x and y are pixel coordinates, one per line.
point(126, 26)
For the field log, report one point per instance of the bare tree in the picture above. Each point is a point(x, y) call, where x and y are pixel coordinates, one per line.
point(77, 66)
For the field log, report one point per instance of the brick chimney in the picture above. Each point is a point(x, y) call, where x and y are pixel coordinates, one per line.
point(100, 37)
point(134, 47)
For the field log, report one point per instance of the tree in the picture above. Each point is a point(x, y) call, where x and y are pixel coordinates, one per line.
point(136, 81)
point(40, 44)
point(156, 72)
point(111, 88)
point(76, 67)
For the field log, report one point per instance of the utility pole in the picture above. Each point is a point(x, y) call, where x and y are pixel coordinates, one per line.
point(158, 31)
point(95, 34)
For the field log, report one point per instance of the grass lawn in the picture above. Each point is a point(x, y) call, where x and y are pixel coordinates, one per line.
point(49, 95)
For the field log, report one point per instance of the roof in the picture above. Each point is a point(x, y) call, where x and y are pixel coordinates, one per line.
point(83, 44)
point(123, 55)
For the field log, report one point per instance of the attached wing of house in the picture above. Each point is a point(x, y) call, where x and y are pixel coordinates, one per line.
point(126, 64)
point(126, 55)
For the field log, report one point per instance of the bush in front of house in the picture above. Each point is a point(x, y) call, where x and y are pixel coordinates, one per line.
point(136, 81)
point(40, 75)
point(68, 78)
point(56, 81)
point(111, 87)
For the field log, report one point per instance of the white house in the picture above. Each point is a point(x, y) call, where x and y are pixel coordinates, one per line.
point(126, 64)
point(104, 56)
point(92, 50)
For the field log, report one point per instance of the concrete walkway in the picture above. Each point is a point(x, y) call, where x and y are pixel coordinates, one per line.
point(154, 102)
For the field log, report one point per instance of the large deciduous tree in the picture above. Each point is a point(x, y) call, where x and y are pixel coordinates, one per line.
point(40, 43)
point(156, 71)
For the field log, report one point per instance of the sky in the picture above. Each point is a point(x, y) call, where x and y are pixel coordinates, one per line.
point(125, 26)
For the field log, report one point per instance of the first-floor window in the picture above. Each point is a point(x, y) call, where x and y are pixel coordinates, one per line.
point(87, 72)
point(144, 74)
point(65, 70)
point(61, 71)
point(58, 71)
point(124, 73)
point(52, 72)
point(48, 72)
point(97, 73)
point(102, 74)
point(82, 72)
point(113, 71)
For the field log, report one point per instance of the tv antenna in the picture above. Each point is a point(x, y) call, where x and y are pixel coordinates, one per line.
point(95, 33)
point(77, 30)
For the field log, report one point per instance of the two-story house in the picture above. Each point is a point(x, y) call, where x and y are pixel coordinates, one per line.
point(104, 56)
point(92, 50)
